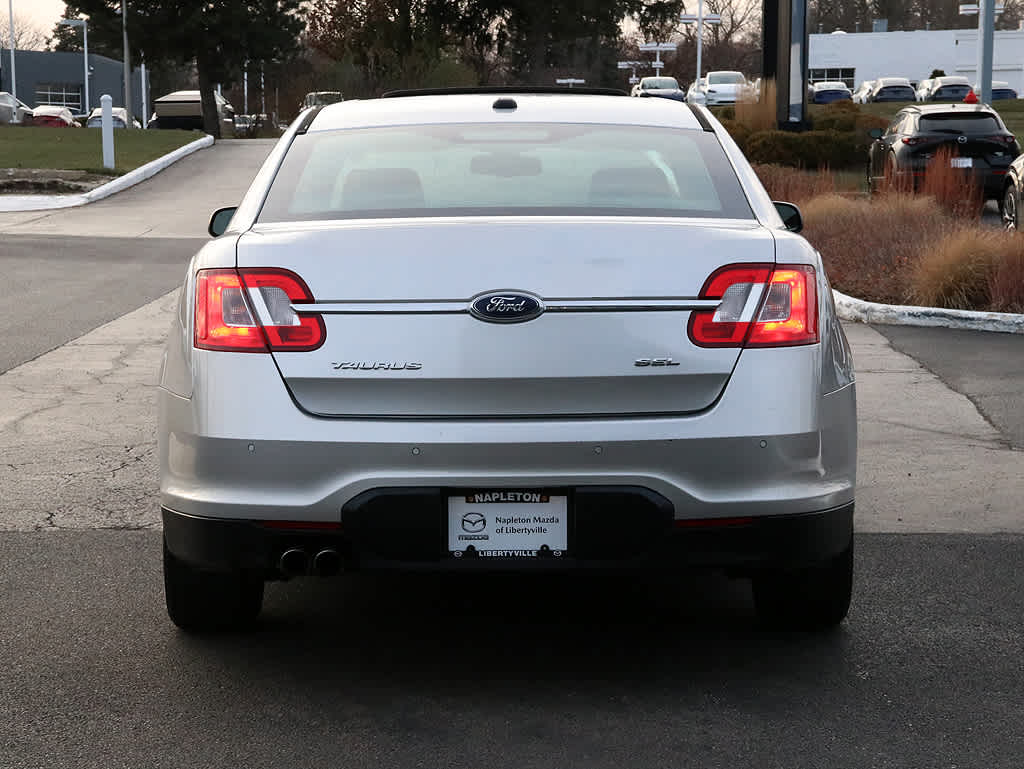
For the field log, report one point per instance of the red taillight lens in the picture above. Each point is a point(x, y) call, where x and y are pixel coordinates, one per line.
point(912, 140)
point(250, 311)
point(1003, 138)
point(762, 306)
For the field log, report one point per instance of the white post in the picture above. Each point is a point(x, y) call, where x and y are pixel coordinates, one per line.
point(85, 56)
point(700, 34)
point(14, 73)
point(263, 95)
point(107, 129)
point(145, 96)
point(245, 90)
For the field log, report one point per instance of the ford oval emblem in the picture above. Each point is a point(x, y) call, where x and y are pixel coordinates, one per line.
point(506, 307)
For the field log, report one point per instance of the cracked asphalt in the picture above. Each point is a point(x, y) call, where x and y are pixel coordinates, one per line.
point(424, 672)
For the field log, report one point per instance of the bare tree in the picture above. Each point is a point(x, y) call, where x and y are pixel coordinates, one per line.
point(27, 36)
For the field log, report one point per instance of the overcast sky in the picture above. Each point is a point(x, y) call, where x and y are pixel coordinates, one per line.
point(42, 13)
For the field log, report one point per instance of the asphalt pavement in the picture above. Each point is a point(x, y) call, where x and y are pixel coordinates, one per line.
point(420, 672)
point(987, 368)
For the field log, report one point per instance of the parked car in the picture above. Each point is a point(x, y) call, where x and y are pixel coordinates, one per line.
point(889, 89)
point(13, 110)
point(118, 116)
point(828, 92)
point(320, 99)
point(974, 133)
point(1000, 90)
point(184, 109)
point(724, 87)
point(664, 87)
point(1012, 194)
point(922, 89)
point(860, 96)
point(54, 117)
point(429, 385)
point(695, 93)
point(952, 88)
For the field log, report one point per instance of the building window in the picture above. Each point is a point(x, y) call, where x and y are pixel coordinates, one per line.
point(61, 95)
point(846, 74)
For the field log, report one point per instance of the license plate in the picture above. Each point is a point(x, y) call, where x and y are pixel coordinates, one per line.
point(961, 162)
point(508, 523)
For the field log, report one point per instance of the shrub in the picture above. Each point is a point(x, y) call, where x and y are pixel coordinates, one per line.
point(725, 113)
point(955, 271)
point(795, 185)
point(1006, 282)
point(870, 246)
point(759, 115)
point(739, 133)
point(810, 149)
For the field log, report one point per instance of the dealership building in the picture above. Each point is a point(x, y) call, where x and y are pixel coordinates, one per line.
point(858, 56)
point(56, 77)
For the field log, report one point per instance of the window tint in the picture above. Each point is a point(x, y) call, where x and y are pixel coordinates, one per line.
point(725, 78)
point(971, 123)
point(659, 82)
point(493, 169)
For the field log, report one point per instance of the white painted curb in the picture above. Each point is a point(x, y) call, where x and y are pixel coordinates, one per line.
point(9, 203)
point(849, 308)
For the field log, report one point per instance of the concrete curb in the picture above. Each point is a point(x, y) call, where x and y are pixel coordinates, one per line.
point(11, 203)
point(858, 310)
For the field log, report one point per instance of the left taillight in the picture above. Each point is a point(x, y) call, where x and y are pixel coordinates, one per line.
point(250, 310)
point(762, 305)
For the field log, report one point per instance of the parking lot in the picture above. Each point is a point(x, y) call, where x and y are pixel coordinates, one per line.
point(407, 672)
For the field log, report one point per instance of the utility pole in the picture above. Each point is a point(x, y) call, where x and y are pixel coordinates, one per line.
point(127, 65)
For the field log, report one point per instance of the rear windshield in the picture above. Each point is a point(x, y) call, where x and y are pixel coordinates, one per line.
point(492, 169)
point(660, 83)
point(952, 90)
point(725, 78)
point(897, 92)
point(971, 123)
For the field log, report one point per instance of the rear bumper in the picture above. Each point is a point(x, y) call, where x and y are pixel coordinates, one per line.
point(614, 528)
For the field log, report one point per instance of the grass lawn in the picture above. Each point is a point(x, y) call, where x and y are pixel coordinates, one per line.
point(80, 149)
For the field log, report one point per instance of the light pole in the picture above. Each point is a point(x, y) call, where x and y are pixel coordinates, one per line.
point(987, 10)
point(657, 64)
point(14, 74)
point(85, 54)
point(700, 19)
point(127, 65)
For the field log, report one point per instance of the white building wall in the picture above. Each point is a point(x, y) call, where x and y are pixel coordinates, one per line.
point(914, 55)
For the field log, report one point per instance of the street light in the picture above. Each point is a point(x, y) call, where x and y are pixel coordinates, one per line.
point(987, 10)
point(700, 19)
point(657, 48)
point(14, 74)
point(85, 55)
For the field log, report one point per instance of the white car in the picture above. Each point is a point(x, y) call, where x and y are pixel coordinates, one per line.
point(695, 93)
point(860, 96)
point(118, 115)
point(13, 110)
point(506, 330)
point(724, 87)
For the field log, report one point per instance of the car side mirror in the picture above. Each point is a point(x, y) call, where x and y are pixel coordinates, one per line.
point(220, 220)
point(791, 218)
point(875, 133)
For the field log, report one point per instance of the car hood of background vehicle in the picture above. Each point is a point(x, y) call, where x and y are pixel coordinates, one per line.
point(665, 93)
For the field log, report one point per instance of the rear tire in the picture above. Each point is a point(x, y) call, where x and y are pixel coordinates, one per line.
point(202, 601)
point(811, 599)
point(1009, 210)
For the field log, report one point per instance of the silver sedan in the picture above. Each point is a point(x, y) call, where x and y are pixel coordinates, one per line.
point(514, 331)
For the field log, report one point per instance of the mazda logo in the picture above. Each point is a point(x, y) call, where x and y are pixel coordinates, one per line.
point(962, 139)
point(506, 307)
point(473, 522)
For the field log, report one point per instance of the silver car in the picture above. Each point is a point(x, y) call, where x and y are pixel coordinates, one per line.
point(512, 331)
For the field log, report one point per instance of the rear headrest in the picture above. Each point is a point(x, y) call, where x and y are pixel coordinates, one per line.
point(382, 188)
point(616, 184)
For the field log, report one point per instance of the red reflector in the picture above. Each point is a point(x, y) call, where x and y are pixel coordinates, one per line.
point(709, 523)
point(295, 525)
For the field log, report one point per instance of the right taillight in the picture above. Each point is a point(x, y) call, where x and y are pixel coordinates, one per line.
point(762, 305)
point(250, 310)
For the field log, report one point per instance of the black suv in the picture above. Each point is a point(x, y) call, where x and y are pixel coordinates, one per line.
point(974, 133)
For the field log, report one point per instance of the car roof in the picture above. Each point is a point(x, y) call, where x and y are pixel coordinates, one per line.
point(50, 109)
point(952, 80)
point(479, 108)
point(884, 81)
point(931, 109)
